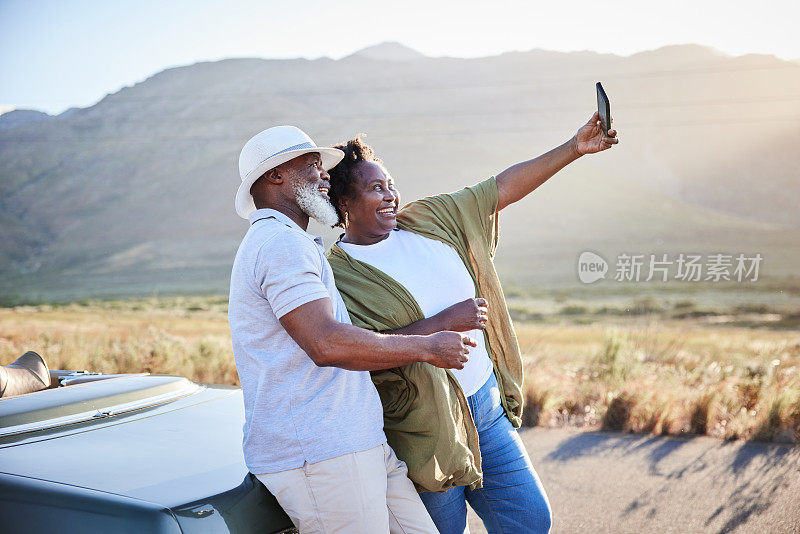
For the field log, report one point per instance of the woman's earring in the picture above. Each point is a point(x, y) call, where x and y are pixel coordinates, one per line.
point(346, 220)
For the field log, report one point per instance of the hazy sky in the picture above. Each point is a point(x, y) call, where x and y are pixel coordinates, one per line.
point(59, 54)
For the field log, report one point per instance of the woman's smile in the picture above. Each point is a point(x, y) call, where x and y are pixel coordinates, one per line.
point(388, 212)
point(371, 206)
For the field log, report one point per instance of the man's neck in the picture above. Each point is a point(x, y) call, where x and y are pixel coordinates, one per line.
point(289, 209)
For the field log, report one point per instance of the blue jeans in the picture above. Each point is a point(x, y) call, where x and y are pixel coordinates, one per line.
point(512, 499)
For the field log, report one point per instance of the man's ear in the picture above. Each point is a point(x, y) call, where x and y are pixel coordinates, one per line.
point(273, 176)
point(259, 186)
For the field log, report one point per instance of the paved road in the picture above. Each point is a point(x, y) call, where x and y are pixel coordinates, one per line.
point(609, 482)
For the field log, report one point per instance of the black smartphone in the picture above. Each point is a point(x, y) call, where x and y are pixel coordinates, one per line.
point(603, 108)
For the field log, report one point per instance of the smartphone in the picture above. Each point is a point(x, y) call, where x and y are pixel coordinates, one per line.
point(603, 108)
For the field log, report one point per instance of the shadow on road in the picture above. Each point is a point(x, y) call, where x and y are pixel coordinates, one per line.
point(729, 482)
point(774, 467)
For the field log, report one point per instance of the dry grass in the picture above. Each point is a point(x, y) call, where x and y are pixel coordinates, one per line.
point(188, 337)
point(665, 377)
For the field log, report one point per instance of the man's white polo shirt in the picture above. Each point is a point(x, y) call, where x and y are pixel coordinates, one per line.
point(295, 412)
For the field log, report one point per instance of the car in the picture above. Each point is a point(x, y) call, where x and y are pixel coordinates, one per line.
point(129, 453)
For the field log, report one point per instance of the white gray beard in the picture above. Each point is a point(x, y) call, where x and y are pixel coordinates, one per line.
point(314, 205)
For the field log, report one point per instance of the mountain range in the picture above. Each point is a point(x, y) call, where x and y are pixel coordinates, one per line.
point(134, 195)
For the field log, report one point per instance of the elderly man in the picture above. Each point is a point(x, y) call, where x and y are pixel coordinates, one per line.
point(313, 430)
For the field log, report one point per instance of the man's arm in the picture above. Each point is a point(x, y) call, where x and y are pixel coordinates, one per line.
point(331, 343)
point(517, 181)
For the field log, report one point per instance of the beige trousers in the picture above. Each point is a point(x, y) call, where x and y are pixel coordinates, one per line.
point(363, 492)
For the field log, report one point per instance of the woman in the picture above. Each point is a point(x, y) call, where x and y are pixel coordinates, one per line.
point(429, 268)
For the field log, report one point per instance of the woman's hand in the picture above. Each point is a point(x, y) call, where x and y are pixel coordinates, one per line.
point(590, 137)
point(517, 181)
point(470, 314)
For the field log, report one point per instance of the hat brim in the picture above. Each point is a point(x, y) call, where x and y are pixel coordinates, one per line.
point(244, 200)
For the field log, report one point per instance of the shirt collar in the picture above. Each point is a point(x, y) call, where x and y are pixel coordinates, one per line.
point(269, 213)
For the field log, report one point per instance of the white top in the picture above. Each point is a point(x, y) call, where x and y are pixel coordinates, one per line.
point(436, 277)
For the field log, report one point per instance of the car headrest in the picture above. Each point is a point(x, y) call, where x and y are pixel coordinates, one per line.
point(27, 374)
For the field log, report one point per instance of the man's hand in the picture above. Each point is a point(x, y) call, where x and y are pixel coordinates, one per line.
point(470, 314)
point(331, 343)
point(449, 350)
point(590, 137)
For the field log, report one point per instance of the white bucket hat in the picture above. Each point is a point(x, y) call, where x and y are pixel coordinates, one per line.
point(270, 148)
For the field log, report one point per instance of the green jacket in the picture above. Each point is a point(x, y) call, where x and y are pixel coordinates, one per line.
point(426, 417)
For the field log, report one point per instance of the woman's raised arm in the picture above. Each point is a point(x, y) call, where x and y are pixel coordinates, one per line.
point(517, 181)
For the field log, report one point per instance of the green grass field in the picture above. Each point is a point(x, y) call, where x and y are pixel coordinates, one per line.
point(665, 366)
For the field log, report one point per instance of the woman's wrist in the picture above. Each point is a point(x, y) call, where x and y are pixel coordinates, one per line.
point(573, 147)
point(437, 323)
